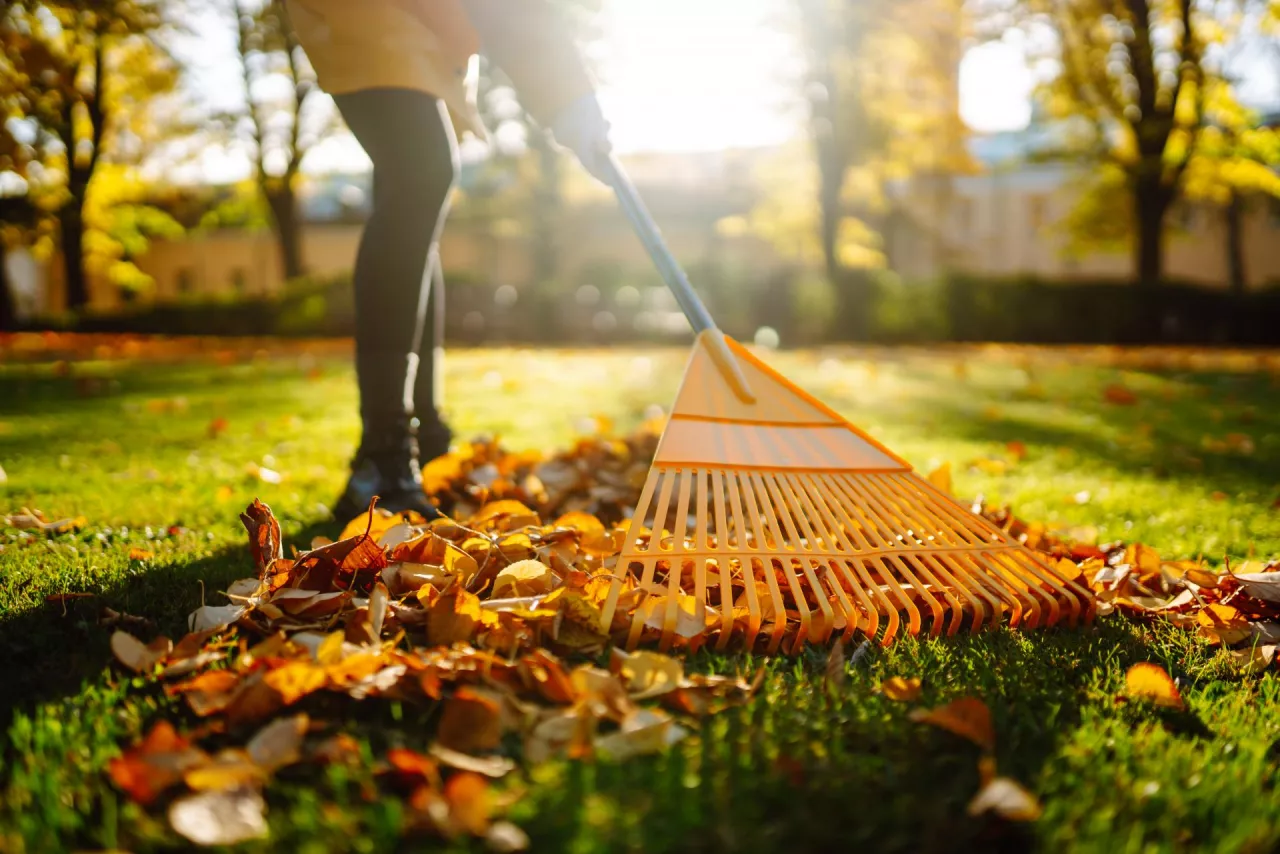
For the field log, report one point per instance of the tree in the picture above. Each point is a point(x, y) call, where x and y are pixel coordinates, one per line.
point(84, 72)
point(283, 117)
point(882, 104)
point(1131, 86)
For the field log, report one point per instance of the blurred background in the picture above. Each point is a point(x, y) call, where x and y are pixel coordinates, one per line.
point(827, 170)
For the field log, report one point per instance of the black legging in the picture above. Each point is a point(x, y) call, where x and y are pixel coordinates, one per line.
point(409, 137)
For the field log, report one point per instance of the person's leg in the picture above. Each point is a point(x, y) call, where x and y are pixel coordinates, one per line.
point(434, 435)
point(410, 140)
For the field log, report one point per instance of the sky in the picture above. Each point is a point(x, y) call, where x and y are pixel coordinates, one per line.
point(676, 75)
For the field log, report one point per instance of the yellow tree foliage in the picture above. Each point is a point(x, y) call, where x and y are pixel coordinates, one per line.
point(1133, 91)
point(82, 76)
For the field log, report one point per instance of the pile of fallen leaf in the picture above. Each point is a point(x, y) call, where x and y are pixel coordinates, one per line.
point(495, 614)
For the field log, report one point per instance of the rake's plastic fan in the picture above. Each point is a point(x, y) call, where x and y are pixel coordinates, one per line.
point(783, 518)
point(773, 516)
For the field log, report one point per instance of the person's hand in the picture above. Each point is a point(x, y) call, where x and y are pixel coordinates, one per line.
point(581, 128)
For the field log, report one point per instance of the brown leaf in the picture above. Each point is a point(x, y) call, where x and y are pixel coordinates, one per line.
point(136, 655)
point(471, 721)
point(413, 767)
point(457, 616)
point(264, 534)
point(489, 766)
point(279, 743)
point(967, 717)
point(835, 674)
point(1223, 624)
point(1119, 395)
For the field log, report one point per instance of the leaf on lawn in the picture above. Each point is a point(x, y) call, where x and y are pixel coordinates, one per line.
point(157, 762)
point(1119, 395)
point(1007, 799)
point(279, 743)
point(470, 803)
point(136, 553)
point(136, 655)
point(489, 766)
point(471, 721)
point(646, 731)
point(264, 534)
point(967, 717)
point(941, 478)
point(412, 767)
point(835, 672)
point(647, 674)
point(900, 689)
point(295, 680)
point(456, 616)
point(1223, 624)
point(1254, 659)
point(523, 578)
point(1148, 681)
point(505, 838)
point(1260, 585)
point(220, 818)
point(210, 617)
point(230, 769)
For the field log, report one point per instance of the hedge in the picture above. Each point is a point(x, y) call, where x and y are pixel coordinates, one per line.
point(805, 311)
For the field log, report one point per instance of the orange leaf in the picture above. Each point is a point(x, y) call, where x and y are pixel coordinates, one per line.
point(413, 766)
point(157, 762)
point(1119, 395)
point(295, 680)
point(470, 806)
point(967, 717)
point(136, 553)
point(1223, 624)
point(1147, 681)
point(901, 690)
point(941, 478)
point(456, 616)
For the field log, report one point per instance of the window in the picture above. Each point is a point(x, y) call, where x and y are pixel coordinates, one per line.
point(239, 280)
point(186, 281)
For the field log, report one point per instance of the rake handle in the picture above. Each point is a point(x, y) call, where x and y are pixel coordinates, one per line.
point(699, 318)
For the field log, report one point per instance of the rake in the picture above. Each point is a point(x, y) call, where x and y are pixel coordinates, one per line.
point(773, 520)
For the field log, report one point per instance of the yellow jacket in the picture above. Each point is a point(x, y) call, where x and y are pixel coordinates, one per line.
point(428, 45)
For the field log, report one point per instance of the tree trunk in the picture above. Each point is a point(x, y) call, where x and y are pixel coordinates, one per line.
point(8, 308)
point(1235, 244)
point(284, 218)
point(1151, 203)
point(71, 226)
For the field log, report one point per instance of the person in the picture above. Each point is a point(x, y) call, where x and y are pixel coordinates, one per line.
point(399, 74)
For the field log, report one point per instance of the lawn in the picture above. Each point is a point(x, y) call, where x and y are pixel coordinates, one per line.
point(1183, 454)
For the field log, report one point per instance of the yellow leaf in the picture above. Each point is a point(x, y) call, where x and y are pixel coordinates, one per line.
point(525, 578)
point(647, 674)
point(1223, 624)
point(901, 690)
point(1147, 681)
point(941, 477)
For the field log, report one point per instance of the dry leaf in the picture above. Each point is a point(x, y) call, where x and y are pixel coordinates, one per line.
point(647, 674)
point(901, 690)
point(834, 674)
point(489, 766)
point(524, 578)
point(136, 655)
point(505, 838)
point(1223, 624)
point(1254, 659)
point(470, 804)
point(279, 743)
point(471, 721)
point(157, 762)
point(967, 717)
point(646, 731)
point(1147, 681)
point(1007, 799)
point(220, 818)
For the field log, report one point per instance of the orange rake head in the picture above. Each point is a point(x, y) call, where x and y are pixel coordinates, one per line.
point(778, 522)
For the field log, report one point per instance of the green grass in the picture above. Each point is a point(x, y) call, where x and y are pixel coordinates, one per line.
point(795, 770)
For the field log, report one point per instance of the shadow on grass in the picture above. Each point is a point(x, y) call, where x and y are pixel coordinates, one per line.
point(50, 651)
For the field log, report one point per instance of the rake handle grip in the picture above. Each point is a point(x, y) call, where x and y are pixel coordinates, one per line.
point(699, 318)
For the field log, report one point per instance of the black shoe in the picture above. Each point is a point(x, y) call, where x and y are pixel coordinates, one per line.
point(434, 437)
point(389, 471)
